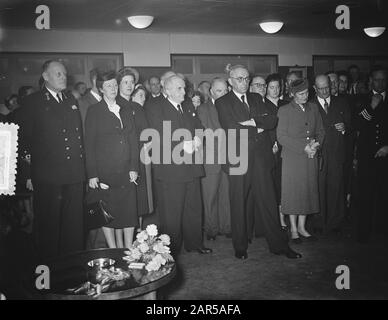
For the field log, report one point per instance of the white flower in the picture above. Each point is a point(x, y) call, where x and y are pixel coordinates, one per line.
point(153, 265)
point(135, 253)
point(142, 236)
point(74, 107)
point(159, 259)
point(165, 239)
point(143, 247)
point(152, 230)
point(160, 248)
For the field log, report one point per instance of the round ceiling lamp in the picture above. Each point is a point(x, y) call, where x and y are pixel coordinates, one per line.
point(374, 32)
point(140, 22)
point(271, 26)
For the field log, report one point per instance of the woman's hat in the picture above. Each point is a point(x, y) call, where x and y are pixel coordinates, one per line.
point(298, 86)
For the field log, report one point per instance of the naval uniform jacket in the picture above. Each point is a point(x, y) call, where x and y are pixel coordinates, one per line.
point(51, 132)
point(373, 128)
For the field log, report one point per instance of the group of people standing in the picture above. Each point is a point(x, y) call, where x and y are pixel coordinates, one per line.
point(297, 151)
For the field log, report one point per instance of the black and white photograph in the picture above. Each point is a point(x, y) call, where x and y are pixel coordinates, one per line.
point(196, 153)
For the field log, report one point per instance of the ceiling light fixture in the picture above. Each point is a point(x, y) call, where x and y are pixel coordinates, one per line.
point(374, 32)
point(271, 26)
point(140, 22)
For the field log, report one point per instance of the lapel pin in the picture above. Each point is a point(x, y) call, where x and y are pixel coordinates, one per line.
point(47, 96)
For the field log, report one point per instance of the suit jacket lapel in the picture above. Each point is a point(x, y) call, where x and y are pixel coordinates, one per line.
point(238, 104)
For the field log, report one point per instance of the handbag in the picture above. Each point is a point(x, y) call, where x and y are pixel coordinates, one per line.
point(97, 215)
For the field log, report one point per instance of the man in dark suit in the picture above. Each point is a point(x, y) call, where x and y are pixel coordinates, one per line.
point(91, 97)
point(240, 110)
point(51, 132)
point(215, 190)
point(335, 115)
point(372, 156)
point(177, 184)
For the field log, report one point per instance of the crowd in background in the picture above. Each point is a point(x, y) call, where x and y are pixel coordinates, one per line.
point(341, 117)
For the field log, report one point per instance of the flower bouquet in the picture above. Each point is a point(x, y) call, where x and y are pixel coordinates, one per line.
point(149, 249)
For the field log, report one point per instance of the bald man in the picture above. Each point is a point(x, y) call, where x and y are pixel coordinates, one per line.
point(51, 132)
point(215, 187)
point(336, 120)
point(178, 184)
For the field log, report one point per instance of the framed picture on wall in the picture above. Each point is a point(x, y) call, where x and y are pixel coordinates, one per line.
point(300, 71)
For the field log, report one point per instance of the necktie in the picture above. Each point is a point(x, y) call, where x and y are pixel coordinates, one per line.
point(59, 97)
point(244, 103)
point(180, 109)
point(325, 106)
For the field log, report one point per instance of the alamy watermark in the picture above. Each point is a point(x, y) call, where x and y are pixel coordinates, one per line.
point(207, 146)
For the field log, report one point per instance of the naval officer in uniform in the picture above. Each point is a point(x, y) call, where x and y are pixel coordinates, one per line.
point(51, 133)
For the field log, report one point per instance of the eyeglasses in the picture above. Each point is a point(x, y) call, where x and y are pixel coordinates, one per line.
point(259, 85)
point(323, 89)
point(241, 79)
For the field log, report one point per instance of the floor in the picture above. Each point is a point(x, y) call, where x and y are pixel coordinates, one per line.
point(263, 275)
point(266, 276)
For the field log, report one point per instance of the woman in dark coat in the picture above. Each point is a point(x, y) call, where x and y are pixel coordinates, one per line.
point(126, 80)
point(300, 132)
point(112, 160)
point(273, 102)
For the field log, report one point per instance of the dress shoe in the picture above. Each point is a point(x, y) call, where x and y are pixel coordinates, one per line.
point(202, 250)
point(284, 228)
point(310, 238)
point(241, 255)
point(297, 239)
point(211, 238)
point(289, 253)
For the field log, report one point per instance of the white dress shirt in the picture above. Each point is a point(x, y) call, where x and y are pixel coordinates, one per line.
point(115, 109)
point(54, 94)
point(322, 101)
point(95, 95)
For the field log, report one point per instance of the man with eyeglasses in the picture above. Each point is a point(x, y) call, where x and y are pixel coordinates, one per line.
point(258, 85)
point(241, 110)
point(336, 120)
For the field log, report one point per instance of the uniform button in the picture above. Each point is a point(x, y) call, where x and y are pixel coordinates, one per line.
point(76, 128)
point(64, 130)
point(307, 131)
point(80, 155)
point(68, 157)
point(308, 138)
point(80, 146)
point(67, 148)
point(66, 139)
point(79, 137)
point(121, 142)
point(377, 125)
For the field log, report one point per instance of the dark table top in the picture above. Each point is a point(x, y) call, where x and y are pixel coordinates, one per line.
point(72, 271)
